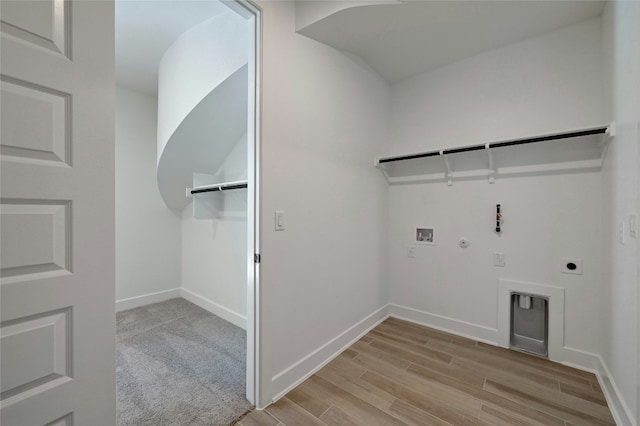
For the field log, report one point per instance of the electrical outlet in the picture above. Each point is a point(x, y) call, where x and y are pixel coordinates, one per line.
point(498, 259)
point(571, 266)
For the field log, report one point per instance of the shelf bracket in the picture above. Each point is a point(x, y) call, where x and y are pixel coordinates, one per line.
point(448, 167)
point(492, 172)
point(610, 133)
point(382, 169)
point(611, 130)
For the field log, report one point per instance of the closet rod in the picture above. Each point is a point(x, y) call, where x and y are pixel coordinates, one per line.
point(597, 131)
point(218, 188)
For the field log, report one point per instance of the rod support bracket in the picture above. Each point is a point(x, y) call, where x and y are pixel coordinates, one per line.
point(492, 171)
point(448, 167)
point(383, 169)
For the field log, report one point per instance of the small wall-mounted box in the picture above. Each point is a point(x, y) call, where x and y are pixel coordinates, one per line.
point(571, 266)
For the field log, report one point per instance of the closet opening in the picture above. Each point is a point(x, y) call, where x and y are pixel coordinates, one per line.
point(187, 171)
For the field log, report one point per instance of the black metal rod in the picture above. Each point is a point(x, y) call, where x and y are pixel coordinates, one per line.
point(465, 149)
point(410, 157)
point(600, 130)
point(550, 138)
point(218, 188)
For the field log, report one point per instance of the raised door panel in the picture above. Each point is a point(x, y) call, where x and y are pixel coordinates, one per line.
point(35, 351)
point(43, 230)
point(36, 122)
point(40, 22)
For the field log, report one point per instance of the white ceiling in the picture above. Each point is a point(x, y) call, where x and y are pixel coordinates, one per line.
point(144, 31)
point(397, 40)
point(413, 37)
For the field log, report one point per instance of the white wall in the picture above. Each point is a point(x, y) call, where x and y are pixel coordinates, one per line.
point(214, 251)
point(195, 64)
point(147, 233)
point(202, 101)
point(546, 219)
point(544, 84)
point(324, 119)
point(620, 199)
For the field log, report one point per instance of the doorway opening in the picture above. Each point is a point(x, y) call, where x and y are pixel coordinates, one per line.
point(187, 150)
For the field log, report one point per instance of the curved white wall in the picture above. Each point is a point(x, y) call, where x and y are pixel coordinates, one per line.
point(310, 12)
point(202, 100)
point(204, 139)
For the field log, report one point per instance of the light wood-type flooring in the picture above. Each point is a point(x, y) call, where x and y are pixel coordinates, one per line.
point(402, 373)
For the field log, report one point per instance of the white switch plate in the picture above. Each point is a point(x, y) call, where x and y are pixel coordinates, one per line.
point(279, 221)
point(621, 232)
point(411, 252)
point(498, 259)
point(633, 225)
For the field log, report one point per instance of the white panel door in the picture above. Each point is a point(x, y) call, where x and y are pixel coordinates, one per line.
point(57, 330)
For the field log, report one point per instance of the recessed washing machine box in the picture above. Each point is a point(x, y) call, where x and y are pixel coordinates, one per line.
point(530, 324)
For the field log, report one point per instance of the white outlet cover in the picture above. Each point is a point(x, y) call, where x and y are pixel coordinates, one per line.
point(567, 268)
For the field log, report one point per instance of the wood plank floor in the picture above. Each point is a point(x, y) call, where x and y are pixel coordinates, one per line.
point(405, 374)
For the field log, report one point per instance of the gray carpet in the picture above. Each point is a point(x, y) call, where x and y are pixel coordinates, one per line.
point(177, 364)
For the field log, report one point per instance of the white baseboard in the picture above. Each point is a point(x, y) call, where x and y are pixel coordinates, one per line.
point(581, 360)
point(446, 324)
point(619, 409)
point(304, 368)
point(146, 299)
point(216, 309)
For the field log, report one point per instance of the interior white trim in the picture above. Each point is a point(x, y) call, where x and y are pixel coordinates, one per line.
point(216, 309)
point(556, 313)
point(582, 360)
point(147, 299)
point(619, 409)
point(253, 13)
point(307, 366)
point(572, 357)
point(446, 324)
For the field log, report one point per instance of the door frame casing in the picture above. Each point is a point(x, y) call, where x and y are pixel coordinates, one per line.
point(253, 13)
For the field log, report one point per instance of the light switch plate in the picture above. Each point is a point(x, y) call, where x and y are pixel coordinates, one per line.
point(633, 225)
point(279, 221)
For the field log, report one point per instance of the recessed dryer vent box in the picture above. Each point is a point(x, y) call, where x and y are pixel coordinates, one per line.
point(530, 324)
point(571, 266)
